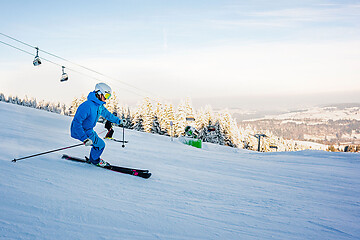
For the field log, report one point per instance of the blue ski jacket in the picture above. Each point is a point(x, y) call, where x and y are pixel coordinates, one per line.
point(86, 117)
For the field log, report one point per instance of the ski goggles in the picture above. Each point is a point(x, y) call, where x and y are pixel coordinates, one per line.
point(107, 95)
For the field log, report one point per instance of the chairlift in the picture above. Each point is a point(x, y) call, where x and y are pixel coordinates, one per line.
point(64, 76)
point(37, 60)
point(211, 128)
point(258, 136)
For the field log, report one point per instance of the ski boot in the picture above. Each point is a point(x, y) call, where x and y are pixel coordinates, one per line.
point(102, 163)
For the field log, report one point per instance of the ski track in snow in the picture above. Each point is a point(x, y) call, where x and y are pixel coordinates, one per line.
point(212, 193)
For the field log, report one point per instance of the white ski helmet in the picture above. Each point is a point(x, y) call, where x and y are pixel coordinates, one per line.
point(104, 89)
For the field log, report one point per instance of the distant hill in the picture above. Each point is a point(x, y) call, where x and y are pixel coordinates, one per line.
point(330, 124)
point(341, 105)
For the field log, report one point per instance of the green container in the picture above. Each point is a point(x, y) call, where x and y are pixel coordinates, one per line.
point(195, 143)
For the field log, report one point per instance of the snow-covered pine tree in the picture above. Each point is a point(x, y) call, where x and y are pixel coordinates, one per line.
point(29, 102)
point(219, 133)
point(203, 133)
point(142, 119)
point(138, 125)
point(75, 104)
point(18, 101)
point(203, 117)
point(129, 119)
point(189, 110)
point(124, 113)
point(64, 110)
point(168, 116)
point(46, 106)
point(33, 103)
point(11, 99)
point(155, 128)
point(2, 97)
point(250, 139)
point(58, 108)
point(180, 120)
point(82, 99)
point(230, 129)
point(158, 117)
point(41, 105)
point(52, 107)
point(147, 114)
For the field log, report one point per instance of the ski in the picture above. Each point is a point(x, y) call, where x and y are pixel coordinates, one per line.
point(116, 140)
point(132, 171)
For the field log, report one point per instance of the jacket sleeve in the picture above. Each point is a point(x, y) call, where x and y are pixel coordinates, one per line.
point(77, 130)
point(109, 116)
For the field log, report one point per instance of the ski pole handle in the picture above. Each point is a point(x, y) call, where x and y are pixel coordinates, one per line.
point(15, 160)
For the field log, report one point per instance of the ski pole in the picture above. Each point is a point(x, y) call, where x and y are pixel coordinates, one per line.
point(47, 152)
point(123, 145)
point(102, 132)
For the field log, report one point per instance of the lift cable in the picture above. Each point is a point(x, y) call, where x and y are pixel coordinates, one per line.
point(86, 68)
point(45, 59)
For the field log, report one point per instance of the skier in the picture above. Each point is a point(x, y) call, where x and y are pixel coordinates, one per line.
point(191, 131)
point(86, 117)
point(109, 127)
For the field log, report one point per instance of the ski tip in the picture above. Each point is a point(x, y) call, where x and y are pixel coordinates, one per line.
point(13, 160)
point(147, 175)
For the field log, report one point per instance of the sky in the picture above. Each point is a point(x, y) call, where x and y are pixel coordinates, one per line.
point(240, 54)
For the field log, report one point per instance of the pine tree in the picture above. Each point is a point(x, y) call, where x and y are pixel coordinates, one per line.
point(33, 103)
point(180, 120)
point(82, 99)
point(138, 125)
point(155, 128)
point(145, 112)
point(64, 110)
point(212, 133)
point(203, 117)
point(189, 110)
point(74, 106)
point(143, 116)
point(230, 130)
point(129, 119)
point(158, 114)
point(168, 116)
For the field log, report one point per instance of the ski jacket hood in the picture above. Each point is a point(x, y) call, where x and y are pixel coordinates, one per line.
point(86, 117)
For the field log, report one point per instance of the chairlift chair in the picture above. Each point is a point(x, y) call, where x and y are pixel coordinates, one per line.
point(211, 128)
point(37, 60)
point(64, 76)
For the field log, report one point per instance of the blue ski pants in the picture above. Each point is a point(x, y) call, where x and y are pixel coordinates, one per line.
point(97, 149)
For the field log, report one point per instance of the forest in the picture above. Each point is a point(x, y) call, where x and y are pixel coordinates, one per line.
point(154, 116)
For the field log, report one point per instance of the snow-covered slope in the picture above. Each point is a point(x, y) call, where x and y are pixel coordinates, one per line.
point(212, 193)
